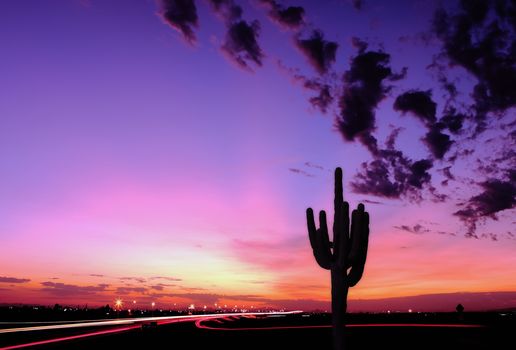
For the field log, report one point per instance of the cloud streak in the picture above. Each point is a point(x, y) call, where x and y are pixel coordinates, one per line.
point(4, 279)
point(71, 290)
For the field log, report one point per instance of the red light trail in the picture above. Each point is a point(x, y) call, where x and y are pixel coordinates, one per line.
point(198, 324)
point(199, 319)
point(72, 337)
point(132, 321)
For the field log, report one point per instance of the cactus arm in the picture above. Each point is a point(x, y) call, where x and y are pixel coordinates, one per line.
point(323, 241)
point(319, 239)
point(362, 233)
point(355, 236)
point(310, 223)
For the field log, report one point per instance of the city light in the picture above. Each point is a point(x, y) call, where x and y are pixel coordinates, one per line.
point(118, 304)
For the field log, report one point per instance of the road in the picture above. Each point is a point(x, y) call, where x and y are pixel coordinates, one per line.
point(109, 326)
point(229, 331)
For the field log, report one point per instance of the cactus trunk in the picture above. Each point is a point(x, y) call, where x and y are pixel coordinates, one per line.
point(339, 301)
point(347, 252)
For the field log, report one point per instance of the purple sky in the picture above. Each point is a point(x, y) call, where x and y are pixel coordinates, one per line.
point(140, 138)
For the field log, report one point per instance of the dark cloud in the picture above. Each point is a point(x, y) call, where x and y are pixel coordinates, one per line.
point(320, 53)
point(182, 16)
point(136, 279)
point(437, 142)
point(71, 290)
point(374, 179)
point(4, 279)
point(359, 44)
point(241, 41)
point(391, 174)
point(291, 17)
point(418, 229)
point(313, 165)
point(192, 289)
point(480, 37)
point(357, 4)
point(453, 121)
point(419, 175)
point(383, 178)
point(497, 195)
point(448, 174)
point(446, 233)
point(227, 9)
point(241, 44)
point(130, 290)
point(96, 275)
point(324, 89)
point(324, 97)
point(363, 89)
point(370, 201)
point(463, 153)
point(300, 172)
point(490, 235)
point(419, 103)
point(211, 298)
point(399, 76)
point(160, 286)
point(166, 278)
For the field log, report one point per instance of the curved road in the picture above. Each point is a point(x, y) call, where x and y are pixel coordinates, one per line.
point(124, 325)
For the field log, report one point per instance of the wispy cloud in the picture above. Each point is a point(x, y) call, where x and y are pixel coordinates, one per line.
point(4, 279)
point(166, 278)
point(72, 290)
point(136, 279)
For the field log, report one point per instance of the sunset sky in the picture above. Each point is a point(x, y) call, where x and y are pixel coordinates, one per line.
point(166, 151)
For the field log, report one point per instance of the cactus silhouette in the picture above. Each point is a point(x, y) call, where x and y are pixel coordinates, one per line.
point(345, 257)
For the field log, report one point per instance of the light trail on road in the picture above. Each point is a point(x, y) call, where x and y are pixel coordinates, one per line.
point(72, 337)
point(127, 321)
point(135, 323)
point(199, 324)
point(132, 323)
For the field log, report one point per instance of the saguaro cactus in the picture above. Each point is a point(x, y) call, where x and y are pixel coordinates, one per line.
point(345, 257)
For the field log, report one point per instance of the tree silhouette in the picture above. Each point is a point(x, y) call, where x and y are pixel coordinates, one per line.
point(345, 257)
point(460, 310)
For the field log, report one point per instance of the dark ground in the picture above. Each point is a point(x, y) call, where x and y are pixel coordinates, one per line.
point(498, 333)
